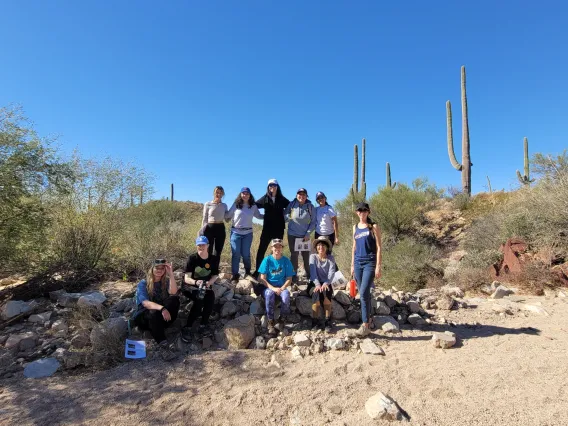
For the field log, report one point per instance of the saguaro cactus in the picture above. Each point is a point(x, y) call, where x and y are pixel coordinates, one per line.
point(465, 166)
point(389, 177)
point(525, 179)
point(360, 195)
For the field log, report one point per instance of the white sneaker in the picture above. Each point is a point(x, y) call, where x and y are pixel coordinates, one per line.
point(363, 331)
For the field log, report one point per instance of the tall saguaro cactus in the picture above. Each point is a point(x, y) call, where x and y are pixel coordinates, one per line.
point(389, 185)
point(525, 179)
point(465, 166)
point(360, 195)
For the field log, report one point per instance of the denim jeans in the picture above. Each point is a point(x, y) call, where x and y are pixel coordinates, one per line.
point(364, 276)
point(240, 246)
point(270, 298)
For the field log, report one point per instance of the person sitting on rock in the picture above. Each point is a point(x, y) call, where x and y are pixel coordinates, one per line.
point(201, 271)
point(322, 270)
point(276, 274)
point(158, 304)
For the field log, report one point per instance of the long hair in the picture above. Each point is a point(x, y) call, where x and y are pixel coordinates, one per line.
point(278, 191)
point(370, 222)
point(220, 188)
point(150, 284)
point(239, 202)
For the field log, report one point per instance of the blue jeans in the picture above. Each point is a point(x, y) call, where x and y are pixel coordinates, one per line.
point(270, 300)
point(364, 276)
point(240, 246)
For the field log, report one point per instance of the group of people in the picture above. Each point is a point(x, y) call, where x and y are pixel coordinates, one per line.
point(157, 295)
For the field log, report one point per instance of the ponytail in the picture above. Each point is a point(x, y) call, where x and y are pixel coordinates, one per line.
point(370, 222)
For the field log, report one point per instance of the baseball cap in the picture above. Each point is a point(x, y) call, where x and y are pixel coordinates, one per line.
point(245, 189)
point(276, 241)
point(272, 182)
point(202, 239)
point(363, 207)
point(302, 190)
point(320, 194)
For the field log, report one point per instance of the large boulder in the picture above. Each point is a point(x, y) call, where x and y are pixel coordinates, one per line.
point(337, 311)
point(342, 297)
point(108, 333)
point(228, 309)
point(68, 300)
point(22, 342)
point(243, 287)
point(15, 307)
point(257, 308)
point(41, 368)
point(382, 308)
point(386, 323)
point(94, 299)
point(304, 305)
point(40, 318)
point(240, 332)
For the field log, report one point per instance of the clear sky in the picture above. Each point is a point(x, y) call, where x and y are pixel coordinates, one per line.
point(213, 92)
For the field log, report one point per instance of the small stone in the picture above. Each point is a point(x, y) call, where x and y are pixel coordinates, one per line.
point(206, 343)
point(271, 344)
point(444, 340)
point(453, 291)
point(445, 303)
point(335, 409)
point(386, 323)
point(296, 353)
point(302, 340)
point(260, 342)
point(390, 301)
point(13, 308)
point(228, 309)
point(382, 308)
point(368, 347)
point(41, 368)
point(501, 309)
point(22, 342)
point(68, 300)
point(380, 406)
point(40, 318)
point(244, 287)
point(501, 292)
point(257, 308)
point(335, 344)
point(416, 320)
point(535, 309)
point(414, 307)
point(60, 325)
point(342, 297)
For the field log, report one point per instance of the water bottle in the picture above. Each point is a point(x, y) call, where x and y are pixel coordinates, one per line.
point(352, 288)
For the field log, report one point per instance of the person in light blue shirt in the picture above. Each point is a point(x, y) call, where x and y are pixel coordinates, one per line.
point(301, 217)
point(276, 274)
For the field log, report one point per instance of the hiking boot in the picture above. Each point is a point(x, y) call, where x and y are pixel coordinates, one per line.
point(204, 330)
point(235, 279)
point(167, 351)
point(271, 329)
point(327, 326)
point(186, 334)
point(363, 331)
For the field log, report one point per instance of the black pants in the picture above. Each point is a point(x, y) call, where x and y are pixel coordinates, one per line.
point(215, 233)
point(330, 237)
point(327, 293)
point(154, 321)
point(265, 238)
point(202, 307)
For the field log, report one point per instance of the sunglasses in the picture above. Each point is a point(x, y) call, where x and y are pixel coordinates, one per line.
point(272, 185)
point(160, 262)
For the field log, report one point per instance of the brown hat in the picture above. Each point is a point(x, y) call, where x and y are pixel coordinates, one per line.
point(322, 239)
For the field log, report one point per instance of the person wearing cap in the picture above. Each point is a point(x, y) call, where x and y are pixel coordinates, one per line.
point(366, 260)
point(201, 271)
point(158, 304)
point(276, 274)
point(301, 217)
point(212, 224)
point(241, 214)
point(274, 204)
point(322, 270)
point(326, 220)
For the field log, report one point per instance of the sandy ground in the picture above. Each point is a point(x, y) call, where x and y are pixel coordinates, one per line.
point(501, 373)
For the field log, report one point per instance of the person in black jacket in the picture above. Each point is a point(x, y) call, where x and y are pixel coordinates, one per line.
point(274, 204)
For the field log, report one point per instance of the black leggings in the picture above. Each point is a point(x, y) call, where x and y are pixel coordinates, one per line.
point(215, 233)
point(202, 307)
point(327, 293)
point(265, 238)
point(154, 321)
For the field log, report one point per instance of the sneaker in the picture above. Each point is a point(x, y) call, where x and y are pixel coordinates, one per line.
point(363, 331)
point(235, 279)
point(186, 334)
point(167, 351)
point(327, 326)
point(271, 329)
point(204, 330)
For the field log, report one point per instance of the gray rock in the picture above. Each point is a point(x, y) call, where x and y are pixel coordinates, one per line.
point(40, 318)
point(244, 287)
point(386, 323)
point(368, 347)
point(227, 296)
point(54, 295)
point(124, 305)
point(335, 344)
point(41, 368)
point(354, 316)
point(108, 332)
point(535, 309)
point(304, 305)
point(444, 340)
point(22, 342)
point(342, 297)
point(416, 320)
point(94, 299)
point(501, 292)
point(257, 308)
point(445, 303)
point(302, 340)
point(414, 307)
point(60, 325)
point(337, 311)
point(68, 300)
point(13, 308)
point(240, 332)
point(228, 309)
point(206, 343)
point(380, 406)
point(382, 308)
point(294, 318)
point(389, 300)
point(264, 322)
point(453, 291)
point(219, 290)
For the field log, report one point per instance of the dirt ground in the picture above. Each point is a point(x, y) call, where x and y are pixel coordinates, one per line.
point(508, 370)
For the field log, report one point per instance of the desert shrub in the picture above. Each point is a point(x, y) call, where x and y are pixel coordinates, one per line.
point(407, 265)
point(461, 201)
point(471, 278)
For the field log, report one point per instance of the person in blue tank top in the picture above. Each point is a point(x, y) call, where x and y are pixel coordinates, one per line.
point(366, 262)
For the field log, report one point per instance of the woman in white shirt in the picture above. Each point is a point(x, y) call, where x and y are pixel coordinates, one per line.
point(326, 221)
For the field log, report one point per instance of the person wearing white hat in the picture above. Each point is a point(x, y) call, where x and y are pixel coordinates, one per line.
point(274, 204)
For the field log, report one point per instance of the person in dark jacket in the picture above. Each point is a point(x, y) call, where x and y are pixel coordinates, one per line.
point(273, 204)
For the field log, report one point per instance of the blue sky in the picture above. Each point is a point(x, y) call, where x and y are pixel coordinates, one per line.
point(235, 93)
